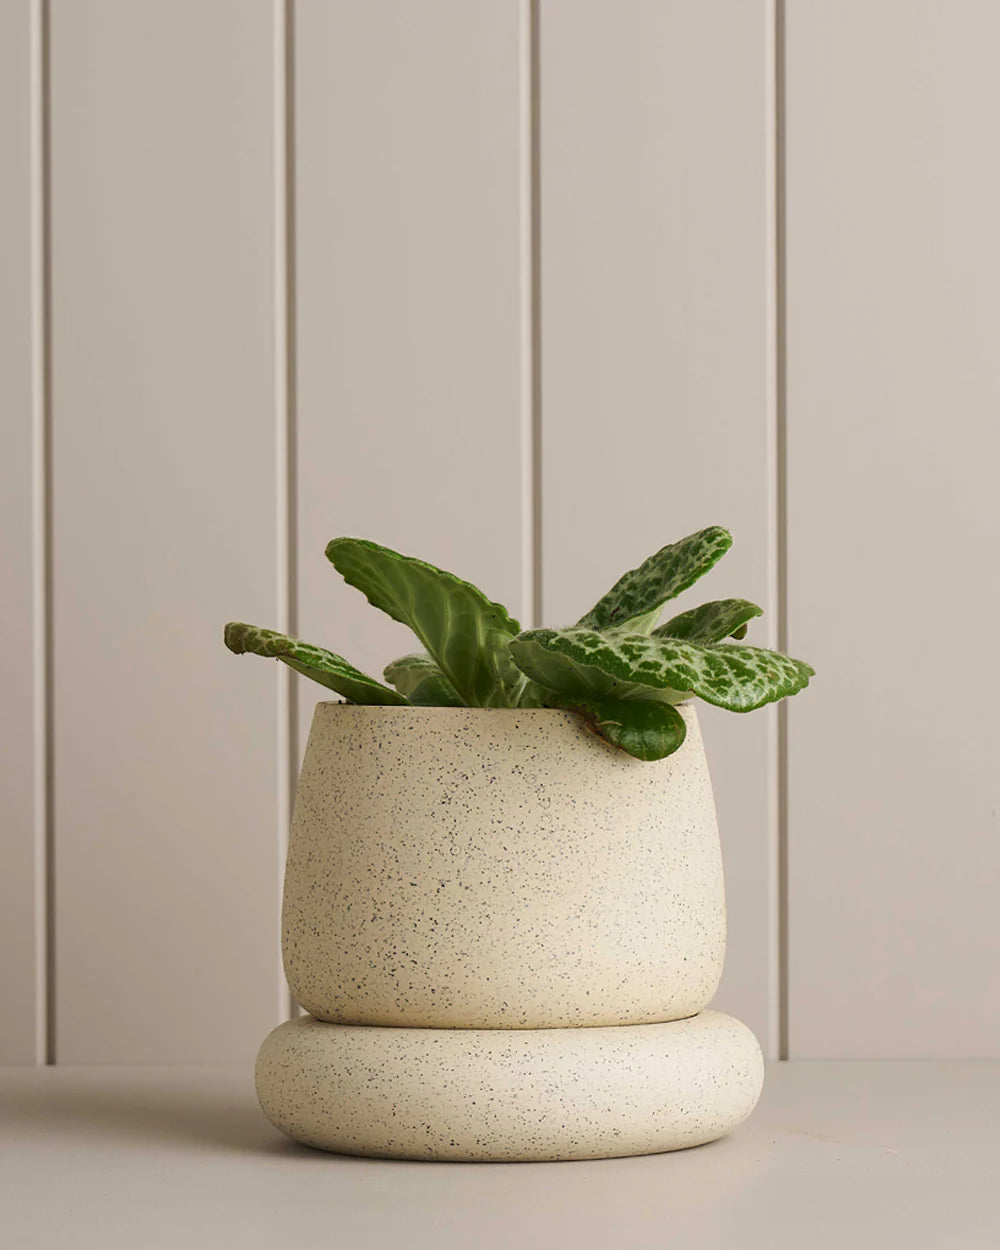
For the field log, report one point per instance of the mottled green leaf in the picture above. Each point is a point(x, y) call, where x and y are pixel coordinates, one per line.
point(330, 670)
point(590, 665)
point(635, 600)
point(647, 729)
point(453, 619)
point(559, 660)
point(712, 622)
point(423, 683)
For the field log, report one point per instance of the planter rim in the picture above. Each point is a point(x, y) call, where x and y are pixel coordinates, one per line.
point(401, 709)
point(500, 723)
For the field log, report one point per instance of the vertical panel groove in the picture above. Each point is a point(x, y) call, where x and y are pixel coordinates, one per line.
point(781, 517)
point(284, 115)
point(41, 338)
point(526, 212)
point(282, 551)
point(533, 364)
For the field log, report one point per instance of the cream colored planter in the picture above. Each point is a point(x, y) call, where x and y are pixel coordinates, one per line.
point(538, 917)
point(525, 1094)
point(499, 869)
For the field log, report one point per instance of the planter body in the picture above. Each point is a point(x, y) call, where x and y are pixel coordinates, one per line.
point(499, 869)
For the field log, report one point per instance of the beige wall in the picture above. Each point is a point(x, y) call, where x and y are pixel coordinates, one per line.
point(527, 290)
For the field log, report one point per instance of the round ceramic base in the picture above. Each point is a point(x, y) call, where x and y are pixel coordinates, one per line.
point(508, 1095)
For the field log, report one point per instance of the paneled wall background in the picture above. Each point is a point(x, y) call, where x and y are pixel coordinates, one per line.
point(527, 289)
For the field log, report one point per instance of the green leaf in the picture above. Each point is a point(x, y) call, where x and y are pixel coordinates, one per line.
point(330, 670)
point(421, 680)
point(510, 686)
point(644, 728)
point(453, 619)
point(423, 683)
point(589, 665)
point(560, 661)
point(635, 600)
point(722, 618)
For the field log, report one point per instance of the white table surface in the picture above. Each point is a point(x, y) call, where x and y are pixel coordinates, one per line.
point(847, 1155)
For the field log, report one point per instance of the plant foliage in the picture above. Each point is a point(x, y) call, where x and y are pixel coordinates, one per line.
point(616, 667)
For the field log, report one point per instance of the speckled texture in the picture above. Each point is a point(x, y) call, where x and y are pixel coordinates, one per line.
point(471, 868)
point(520, 1094)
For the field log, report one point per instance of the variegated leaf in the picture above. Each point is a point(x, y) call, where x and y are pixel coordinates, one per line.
point(635, 600)
point(330, 670)
point(645, 728)
point(454, 620)
point(711, 622)
point(559, 660)
point(590, 665)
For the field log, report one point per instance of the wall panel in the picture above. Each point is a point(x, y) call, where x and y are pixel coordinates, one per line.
point(21, 790)
point(656, 352)
point(411, 217)
point(164, 381)
point(894, 526)
point(410, 285)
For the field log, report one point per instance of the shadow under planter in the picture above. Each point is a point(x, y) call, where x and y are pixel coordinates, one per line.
point(504, 930)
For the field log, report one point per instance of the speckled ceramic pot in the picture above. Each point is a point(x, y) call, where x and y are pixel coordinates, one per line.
point(493, 1094)
point(499, 869)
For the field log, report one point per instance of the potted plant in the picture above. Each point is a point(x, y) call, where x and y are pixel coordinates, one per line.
point(503, 904)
